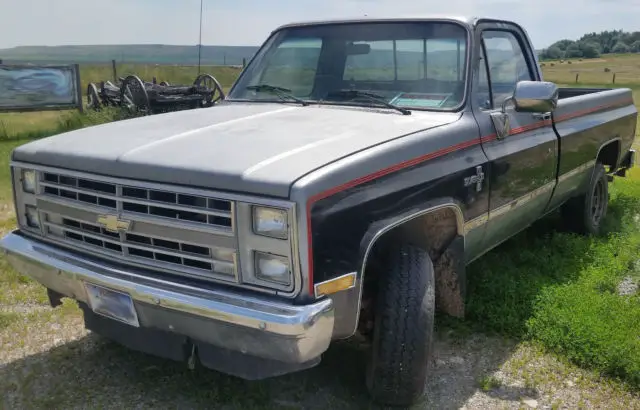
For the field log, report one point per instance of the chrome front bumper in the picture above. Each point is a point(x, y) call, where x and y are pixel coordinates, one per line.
point(251, 326)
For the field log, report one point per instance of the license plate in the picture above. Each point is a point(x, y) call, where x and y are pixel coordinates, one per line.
point(112, 304)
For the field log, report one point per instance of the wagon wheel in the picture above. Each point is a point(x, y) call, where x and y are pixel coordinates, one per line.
point(213, 92)
point(133, 95)
point(93, 99)
point(165, 84)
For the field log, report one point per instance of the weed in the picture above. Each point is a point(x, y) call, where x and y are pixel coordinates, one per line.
point(488, 383)
point(7, 318)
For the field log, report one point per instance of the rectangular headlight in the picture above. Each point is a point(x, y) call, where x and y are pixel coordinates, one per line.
point(272, 268)
point(270, 222)
point(28, 178)
point(31, 214)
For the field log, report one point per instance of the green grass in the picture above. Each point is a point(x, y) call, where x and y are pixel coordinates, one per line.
point(488, 383)
point(26, 126)
point(560, 289)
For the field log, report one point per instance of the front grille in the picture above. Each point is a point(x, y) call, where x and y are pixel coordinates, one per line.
point(143, 201)
point(176, 232)
point(195, 259)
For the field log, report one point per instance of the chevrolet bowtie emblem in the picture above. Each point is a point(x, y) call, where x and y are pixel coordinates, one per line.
point(114, 224)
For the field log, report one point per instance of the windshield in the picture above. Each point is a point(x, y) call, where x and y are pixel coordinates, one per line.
point(417, 65)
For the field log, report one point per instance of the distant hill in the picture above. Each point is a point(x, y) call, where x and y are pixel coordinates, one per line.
point(129, 53)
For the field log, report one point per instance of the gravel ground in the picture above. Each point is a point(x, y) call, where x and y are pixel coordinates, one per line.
point(49, 361)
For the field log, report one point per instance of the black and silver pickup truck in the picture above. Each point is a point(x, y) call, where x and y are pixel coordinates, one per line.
point(353, 171)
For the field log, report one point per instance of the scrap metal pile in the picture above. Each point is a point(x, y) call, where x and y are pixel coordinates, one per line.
point(151, 98)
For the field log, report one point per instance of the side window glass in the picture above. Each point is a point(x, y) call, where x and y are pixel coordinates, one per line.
point(507, 63)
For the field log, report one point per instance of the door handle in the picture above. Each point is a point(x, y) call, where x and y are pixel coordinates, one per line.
point(542, 116)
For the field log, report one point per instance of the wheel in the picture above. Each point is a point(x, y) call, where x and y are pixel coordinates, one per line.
point(404, 327)
point(93, 98)
point(165, 84)
point(209, 88)
point(584, 214)
point(133, 95)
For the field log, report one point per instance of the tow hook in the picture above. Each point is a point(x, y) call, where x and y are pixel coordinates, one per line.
point(191, 363)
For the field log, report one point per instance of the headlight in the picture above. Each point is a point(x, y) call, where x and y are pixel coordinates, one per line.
point(270, 222)
point(29, 181)
point(33, 219)
point(272, 268)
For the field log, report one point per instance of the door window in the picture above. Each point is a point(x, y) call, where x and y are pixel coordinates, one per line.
point(507, 64)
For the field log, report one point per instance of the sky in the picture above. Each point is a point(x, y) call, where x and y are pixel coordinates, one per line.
point(249, 22)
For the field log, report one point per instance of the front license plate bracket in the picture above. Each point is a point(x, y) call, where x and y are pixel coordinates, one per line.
point(113, 304)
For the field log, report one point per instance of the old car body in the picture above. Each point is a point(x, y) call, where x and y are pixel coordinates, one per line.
point(249, 234)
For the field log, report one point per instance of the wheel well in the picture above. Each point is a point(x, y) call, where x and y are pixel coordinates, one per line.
point(434, 231)
point(609, 153)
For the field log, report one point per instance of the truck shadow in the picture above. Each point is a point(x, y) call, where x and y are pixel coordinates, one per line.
point(92, 372)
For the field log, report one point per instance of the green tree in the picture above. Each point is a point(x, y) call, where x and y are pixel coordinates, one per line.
point(635, 47)
point(552, 53)
point(589, 49)
point(562, 44)
point(573, 51)
point(620, 48)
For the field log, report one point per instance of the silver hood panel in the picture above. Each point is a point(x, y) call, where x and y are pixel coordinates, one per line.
point(250, 148)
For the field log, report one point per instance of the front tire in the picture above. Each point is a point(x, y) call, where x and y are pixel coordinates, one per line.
point(585, 213)
point(404, 328)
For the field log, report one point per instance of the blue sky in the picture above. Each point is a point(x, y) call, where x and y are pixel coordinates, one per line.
point(248, 22)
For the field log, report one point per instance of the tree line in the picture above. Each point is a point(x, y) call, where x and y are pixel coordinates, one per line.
point(592, 45)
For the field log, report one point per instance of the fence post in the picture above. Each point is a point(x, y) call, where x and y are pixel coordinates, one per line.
point(614, 78)
point(0, 61)
point(115, 73)
point(577, 76)
point(76, 68)
point(244, 62)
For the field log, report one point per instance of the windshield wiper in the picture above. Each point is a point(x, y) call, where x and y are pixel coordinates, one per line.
point(353, 94)
point(281, 92)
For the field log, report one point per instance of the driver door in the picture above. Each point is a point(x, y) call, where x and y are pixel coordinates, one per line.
point(523, 164)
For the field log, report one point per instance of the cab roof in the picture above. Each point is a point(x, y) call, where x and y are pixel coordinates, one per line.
point(465, 20)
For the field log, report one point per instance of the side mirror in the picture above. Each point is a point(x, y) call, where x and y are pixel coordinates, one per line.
point(534, 96)
point(539, 97)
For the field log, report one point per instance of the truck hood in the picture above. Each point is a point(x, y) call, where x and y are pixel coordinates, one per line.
point(249, 148)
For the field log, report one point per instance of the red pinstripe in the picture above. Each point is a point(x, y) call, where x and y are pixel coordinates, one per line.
point(423, 158)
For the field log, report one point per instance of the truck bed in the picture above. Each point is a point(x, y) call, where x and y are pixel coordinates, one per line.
point(568, 92)
point(591, 123)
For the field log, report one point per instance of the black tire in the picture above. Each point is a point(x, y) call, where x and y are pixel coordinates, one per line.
point(584, 214)
point(404, 328)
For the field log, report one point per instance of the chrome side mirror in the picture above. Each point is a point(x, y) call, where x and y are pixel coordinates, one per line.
point(534, 96)
point(538, 97)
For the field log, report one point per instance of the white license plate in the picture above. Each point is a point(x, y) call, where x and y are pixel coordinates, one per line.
point(112, 304)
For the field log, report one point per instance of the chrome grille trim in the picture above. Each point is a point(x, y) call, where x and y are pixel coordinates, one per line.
point(136, 200)
point(131, 246)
